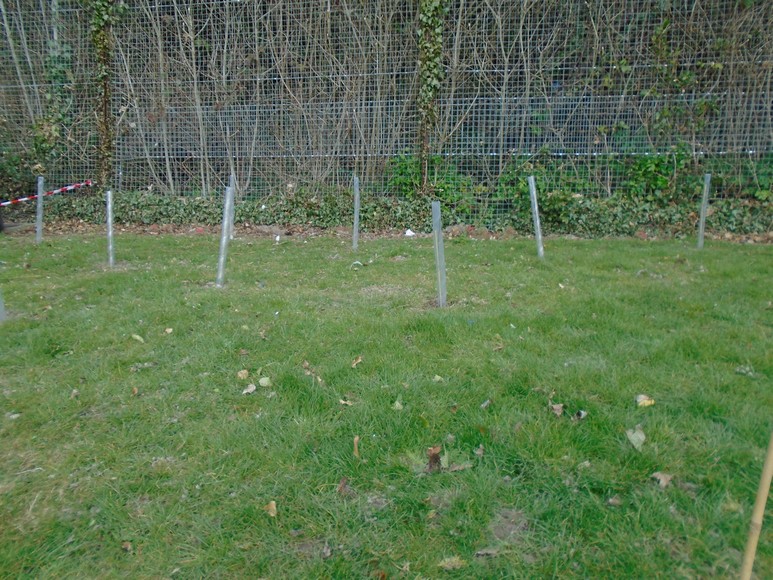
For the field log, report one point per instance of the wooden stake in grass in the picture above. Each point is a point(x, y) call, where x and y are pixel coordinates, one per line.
point(759, 511)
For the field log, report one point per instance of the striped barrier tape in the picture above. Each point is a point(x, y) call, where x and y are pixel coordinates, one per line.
point(87, 183)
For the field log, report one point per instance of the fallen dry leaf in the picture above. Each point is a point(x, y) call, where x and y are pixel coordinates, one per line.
point(243, 374)
point(615, 501)
point(487, 553)
point(452, 563)
point(168, 330)
point(486, 404)
point(138, 338)
point(437, 379)
point(344, 488)
point(356, 361)
point(264, 382)
point(243, 352)
point(345, 402)
point(309, 371)
point(137, 367)
point(644, 401)
point(556, 408)
point(459, 467)
point(270, 508)
point(127, 547)
point(480, 451)
point(357, 446)
point(397, 406)
point(75, 394)
point(249, 390)
point(135, 391)
point(636, 437)
point(433, 455)
point(663, 479)
point(327, 551)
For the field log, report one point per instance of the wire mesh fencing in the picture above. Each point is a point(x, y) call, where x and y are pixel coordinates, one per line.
point(593, 98)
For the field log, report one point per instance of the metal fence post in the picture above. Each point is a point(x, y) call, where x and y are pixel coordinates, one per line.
point(224, 235)
point(109, 220)
point(704, 209)
point(356, 229)
point(39, 211)
point(535, 216)
point(440, 257)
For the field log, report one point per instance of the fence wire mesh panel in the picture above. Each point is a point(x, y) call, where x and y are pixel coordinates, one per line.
point(294, 96)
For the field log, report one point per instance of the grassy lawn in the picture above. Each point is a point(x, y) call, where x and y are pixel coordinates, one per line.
point(128, 447)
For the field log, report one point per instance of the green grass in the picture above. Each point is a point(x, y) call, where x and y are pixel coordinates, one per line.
point(159, 466)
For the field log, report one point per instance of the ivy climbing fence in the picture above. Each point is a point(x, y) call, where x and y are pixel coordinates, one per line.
point(458, 100)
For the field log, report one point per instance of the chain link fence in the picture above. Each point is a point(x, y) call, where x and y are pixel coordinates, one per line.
point(594, 98)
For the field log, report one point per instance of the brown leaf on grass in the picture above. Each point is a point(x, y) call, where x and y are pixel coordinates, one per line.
point(243, 352)
point(243, 374)
point(663, 479)
point(459, 467)
point(135, 391)
point(556, 408)
point(487, 553)
point(137, 367)
point(357, 446)
point(452, 563)
point(615, 501)
point(327, 551)
point(270, 508)
point(433, 455)
point(75, 394)
point(310, 372)
point(486, 404)
point(249, 389)
point(356, 361)
point(345, 402)
point(127, 547)
point(344, 488)
point(499, 343)
point(480, 451)
point(168, 330)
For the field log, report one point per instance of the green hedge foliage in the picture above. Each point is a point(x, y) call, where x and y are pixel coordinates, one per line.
point(586, 216)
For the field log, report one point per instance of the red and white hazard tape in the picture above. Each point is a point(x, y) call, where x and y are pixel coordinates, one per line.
point(87, 183)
